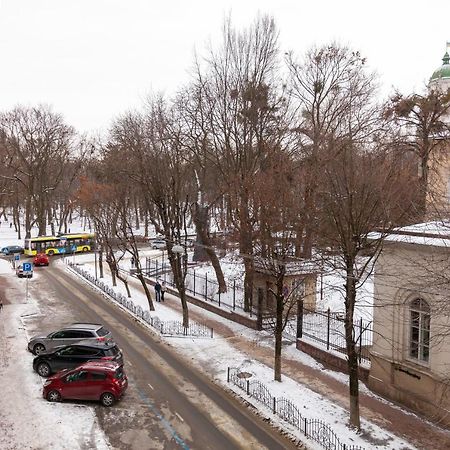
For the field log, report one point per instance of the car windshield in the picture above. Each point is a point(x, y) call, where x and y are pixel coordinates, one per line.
point(118, 375)
point(102, 332)
point(112, 351)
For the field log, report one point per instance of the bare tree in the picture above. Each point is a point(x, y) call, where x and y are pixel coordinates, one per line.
point(195, 139)
point(38, 143)
point(238, 101)
point(423, 123)
point(156, 163)
point(325, 85)
point(361, 190)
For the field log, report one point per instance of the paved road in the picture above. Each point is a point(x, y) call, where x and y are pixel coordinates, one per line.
point(169, 404)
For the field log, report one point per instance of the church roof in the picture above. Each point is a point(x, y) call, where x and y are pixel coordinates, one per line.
point(444, 70)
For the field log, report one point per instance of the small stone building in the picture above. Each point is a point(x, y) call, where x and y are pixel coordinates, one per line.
point(410, 356)
point(299, 281)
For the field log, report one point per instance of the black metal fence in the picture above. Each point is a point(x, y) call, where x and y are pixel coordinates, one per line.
point(165, 327)
point(199, 285)
point(314, 429)
point(326, 329)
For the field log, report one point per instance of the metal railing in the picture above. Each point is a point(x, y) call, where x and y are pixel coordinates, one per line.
point(199, 285)
point(326, 329)
point(315, 429)
point(165, 327)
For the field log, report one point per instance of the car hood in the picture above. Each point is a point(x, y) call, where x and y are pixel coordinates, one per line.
point(59, 374)
point(38, 337)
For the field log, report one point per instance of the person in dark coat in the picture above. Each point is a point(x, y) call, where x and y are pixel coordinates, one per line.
point(158, 291)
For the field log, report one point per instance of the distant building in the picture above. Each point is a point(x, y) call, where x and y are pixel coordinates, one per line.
point(438, 195)
point(440, 80)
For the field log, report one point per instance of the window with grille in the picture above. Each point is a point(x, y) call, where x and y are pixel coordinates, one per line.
point(419, 330)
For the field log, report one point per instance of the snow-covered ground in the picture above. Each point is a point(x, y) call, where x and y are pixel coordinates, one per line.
point(27, 421)
point(213, 356)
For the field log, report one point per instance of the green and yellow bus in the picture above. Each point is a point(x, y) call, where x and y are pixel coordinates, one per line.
point(60, 245)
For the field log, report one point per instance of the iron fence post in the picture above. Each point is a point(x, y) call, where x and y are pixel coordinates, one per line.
point(234, 294)
point(228, 374)
point(300, 318)
point(248, 387)
point(328, 329)
point(360, 338)
point(206, 286)
point(212, 332)
point(194, 282)
point(274, 405)
point(219, 297)
point(306, 427)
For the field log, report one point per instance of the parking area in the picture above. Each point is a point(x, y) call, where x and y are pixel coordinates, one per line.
point(25, 417)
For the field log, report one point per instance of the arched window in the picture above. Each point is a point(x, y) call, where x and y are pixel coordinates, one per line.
point(419, 330)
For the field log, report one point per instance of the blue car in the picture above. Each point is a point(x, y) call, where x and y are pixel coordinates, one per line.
point(11, 249)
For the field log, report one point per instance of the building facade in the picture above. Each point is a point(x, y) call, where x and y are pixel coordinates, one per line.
point(410, 356)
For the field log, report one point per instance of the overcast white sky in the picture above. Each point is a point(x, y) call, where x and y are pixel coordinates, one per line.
point(93, 59)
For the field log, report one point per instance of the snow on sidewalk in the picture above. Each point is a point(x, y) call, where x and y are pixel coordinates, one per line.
point(27, 420)
point(214, 356)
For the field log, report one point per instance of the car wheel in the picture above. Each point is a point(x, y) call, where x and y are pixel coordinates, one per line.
point(107, 399)
point(38, 348)
point(53, 396)
point(85, 249)
point(43, 369)
point(50, 253)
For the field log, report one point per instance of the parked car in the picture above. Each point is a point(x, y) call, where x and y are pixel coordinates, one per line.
point(103, 381)
point(11, 249)
point(71, 356)
point(190, 243)
point(21, 273)
point(159, 244)
point(69, 335)
point(41, 259)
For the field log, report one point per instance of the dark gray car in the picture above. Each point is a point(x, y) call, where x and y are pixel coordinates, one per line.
point(69, 335)
point(71, 356)
point(11, 249)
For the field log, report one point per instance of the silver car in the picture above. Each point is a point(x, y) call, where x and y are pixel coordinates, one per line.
point(69, 335)
point(159, 244)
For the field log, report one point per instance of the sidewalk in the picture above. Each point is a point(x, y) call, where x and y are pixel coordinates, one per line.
point(417, 431)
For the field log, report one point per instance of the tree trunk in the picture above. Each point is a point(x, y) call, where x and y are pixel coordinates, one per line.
point(352, 362)
point(112, 269)
point(179, 267)
point(146, 289)
point(200, 218)
point(279, 323)
point(278, 337)
point(100, 262)
point(125, 283)
point(27, 218)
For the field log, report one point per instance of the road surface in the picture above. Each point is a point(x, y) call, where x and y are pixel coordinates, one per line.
point(169, 404)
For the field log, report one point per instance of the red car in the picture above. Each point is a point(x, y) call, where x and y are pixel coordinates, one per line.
point(103, 381)
point(41, 259)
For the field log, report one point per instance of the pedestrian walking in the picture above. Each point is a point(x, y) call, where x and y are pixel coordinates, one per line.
point(1, 305)
point(163, 290)
point(158, 291)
